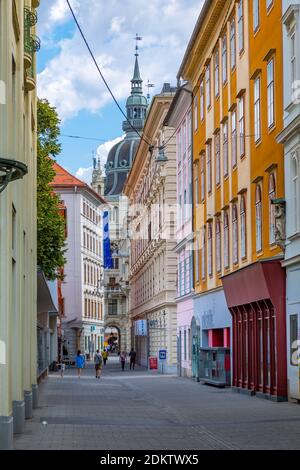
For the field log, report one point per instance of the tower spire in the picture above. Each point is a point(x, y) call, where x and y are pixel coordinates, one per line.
point(136, 82)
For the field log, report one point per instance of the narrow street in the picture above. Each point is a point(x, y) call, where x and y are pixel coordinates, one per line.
point(141, 410)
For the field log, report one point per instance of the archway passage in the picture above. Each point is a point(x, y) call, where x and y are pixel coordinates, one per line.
point(112, 339)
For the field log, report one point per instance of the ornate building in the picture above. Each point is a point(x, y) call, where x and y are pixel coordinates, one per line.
point(118, 164)
point(151, 191)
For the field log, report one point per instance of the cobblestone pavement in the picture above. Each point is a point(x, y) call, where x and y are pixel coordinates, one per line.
point(142, 410)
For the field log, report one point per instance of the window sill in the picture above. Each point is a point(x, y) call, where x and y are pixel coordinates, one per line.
point(294, 236)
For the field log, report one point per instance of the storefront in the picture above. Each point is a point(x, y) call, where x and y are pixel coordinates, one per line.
point(210, 331)
point(293, 326)
point(256, 298)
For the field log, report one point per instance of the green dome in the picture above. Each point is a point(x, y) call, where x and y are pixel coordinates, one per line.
point(136, 100)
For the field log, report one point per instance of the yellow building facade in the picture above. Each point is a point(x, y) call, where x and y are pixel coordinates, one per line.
point(18, 272)
point(234, 63)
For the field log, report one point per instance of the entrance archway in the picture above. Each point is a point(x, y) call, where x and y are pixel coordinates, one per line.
point(112, 338)
point(196, 343)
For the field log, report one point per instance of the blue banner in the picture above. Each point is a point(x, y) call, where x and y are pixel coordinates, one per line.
point(106, 242)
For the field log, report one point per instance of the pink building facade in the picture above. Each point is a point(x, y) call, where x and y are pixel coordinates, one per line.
point(179, 117)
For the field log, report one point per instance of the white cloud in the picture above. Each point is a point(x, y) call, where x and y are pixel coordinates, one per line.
point(85, 174)
point(70, 80)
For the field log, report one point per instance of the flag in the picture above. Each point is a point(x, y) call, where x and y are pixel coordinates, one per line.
point(107, 258)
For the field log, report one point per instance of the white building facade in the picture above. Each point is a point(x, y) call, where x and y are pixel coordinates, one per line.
point(83, 321)
point(290, 137)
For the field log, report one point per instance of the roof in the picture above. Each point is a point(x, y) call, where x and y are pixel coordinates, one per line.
point(64, 179)
point(195, 33)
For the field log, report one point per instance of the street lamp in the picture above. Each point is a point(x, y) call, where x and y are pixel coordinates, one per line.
point(11, 170)
point(161, 156)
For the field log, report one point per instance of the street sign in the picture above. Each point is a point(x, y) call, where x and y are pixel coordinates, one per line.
point(162, 354)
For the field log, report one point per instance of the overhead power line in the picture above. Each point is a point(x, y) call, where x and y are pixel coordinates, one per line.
point(101, 74)
point(84, 138)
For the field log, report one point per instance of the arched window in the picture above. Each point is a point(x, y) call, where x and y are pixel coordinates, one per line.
point(210, 251)
point(258, 214)
point(226, 240)
point(235, 236)
point(272, 195)
point(203, 254)
point(218, 245)
point(243, 227)
point(295, 212)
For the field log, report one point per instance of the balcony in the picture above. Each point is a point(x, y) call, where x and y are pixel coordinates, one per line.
point(30, 19)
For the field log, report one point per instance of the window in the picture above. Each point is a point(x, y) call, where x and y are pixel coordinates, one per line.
point(225, 148)
point(269, 4)
point(202, 100)
point(243, 227)
point(217, 157)
point(242, 126)
point(226, 240)
point(293, 58)
point(233, 139)
point(197, 261)
point(207, 86)
point(270, 78)
point(235, 238)
point(272, 195)
point(232, 44)
point(202, 175)
point(196, 190)
point(257, 131)
point(208, 164)
point(294, 346)
point(224, 59)
point(195, 113)
point(218, 244)
point(258, 213)
point(112, 306)
point(295, 212)
point(241, 25)
point(210, 251)
point(217, 78)
point(203, 254)
point(256, 14)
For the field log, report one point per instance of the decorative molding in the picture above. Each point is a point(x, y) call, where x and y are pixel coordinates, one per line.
point(269, 54)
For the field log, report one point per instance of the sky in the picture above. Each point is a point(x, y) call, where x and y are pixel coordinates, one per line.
point(68, 78)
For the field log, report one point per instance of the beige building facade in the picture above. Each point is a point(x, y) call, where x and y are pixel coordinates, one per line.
point(151, 192)
point(18, 273)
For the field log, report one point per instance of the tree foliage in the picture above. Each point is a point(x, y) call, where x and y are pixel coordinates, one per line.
point(50, 223)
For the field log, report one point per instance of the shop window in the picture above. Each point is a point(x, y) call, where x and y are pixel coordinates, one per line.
point(294, 343)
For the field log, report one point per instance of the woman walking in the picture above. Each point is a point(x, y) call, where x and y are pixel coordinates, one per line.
point(123, 359)
point(105, 356)
point(80, 361)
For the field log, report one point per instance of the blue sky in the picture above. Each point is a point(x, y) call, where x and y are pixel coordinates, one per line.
point(69, 80)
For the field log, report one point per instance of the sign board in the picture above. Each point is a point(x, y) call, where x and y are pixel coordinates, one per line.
point(162, 354)
point(140, 327)
point(153, 363)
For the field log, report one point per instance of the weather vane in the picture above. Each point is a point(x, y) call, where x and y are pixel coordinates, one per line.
point(149, 85)
point(137, 38)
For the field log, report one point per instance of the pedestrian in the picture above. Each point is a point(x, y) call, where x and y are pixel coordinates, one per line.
point(80, 361)
point(105, 356)
point(132, 356)
point(62, 369)
point(123, 359)
point(98, 361)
